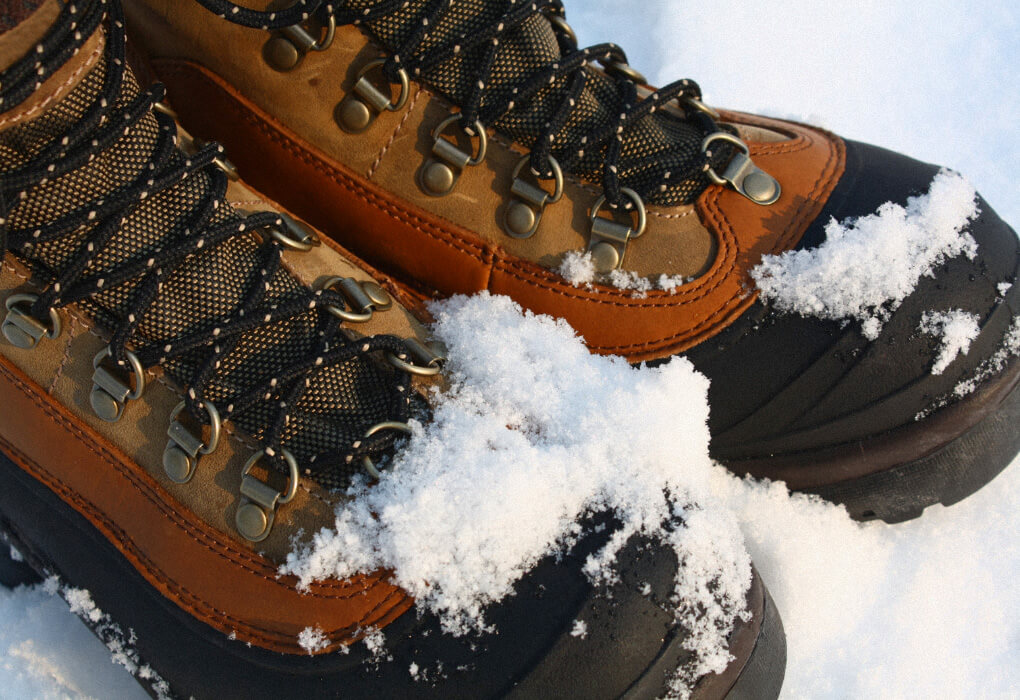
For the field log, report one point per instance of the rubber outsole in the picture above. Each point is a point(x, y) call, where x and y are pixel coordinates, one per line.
point(959, 469)
point(198, 661)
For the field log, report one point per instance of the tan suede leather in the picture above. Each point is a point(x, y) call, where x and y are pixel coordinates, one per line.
point(362, 189)
point(207, 574)
point(180, 537)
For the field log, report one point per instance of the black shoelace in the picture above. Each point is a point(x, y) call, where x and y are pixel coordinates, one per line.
point(76, 283)
point(482, 108)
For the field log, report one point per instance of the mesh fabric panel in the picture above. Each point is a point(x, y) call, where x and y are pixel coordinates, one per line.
point(344, 399)
point(657, 144)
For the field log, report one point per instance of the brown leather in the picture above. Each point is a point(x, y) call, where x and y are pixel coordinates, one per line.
point(414, 242)
point(19, 41)
point(205, 573)
point(180, 537)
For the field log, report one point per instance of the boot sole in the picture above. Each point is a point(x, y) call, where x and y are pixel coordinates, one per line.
point(943, 458)
point(180, 647)
point(959, 469)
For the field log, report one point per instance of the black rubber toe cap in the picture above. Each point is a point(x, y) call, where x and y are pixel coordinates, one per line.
point(787, 384)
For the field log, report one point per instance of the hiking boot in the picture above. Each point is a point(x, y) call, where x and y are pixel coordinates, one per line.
point(474, 146)
point(193, 384)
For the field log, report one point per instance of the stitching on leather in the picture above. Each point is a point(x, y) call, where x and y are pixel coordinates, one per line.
point(15, 271)
point(188, 599)
point(241, 439)
point(249, 562)
point(393, 136)
point(487, 258)
point(714, 211)
point(67, 354)
point(58, 92)
point(802, 142)
point(661, 215)
point(448, 238)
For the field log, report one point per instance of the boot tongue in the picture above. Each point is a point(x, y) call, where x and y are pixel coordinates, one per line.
point(653, 146)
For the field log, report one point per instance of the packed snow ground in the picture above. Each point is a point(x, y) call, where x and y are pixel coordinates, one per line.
point(921, 609)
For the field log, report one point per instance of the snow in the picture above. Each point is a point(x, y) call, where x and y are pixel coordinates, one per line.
point(313, 639)
point(533, 434)
point(921, 609)
point(578, 268)
point(45, 652)
point(957, 329)
point(1010, 348)
point(866, 267)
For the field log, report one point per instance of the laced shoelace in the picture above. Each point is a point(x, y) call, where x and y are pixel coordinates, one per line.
point(100, 128)
point(481, 108)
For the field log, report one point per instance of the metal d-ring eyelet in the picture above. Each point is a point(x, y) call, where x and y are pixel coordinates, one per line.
point(609, 239)
point(523, 215)
point(114, 385)
point(366, 102)
point(366, 461)
point(440, 173)
point(363, 297)
point(287, 47)
point(699, 106)
point(294, 234)
point(741, 173)
point(625, 69)
point(558, 21)
point(166, 109)
point(221, 162)
point(256, 512)
point(21, 329)
point(426, 361)
point(186, 444)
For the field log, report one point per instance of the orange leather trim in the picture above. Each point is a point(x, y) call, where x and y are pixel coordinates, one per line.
point(413, 243)
point(209, 576)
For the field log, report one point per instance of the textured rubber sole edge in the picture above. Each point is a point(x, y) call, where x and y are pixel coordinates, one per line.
point(763, 674)
point(957, 470)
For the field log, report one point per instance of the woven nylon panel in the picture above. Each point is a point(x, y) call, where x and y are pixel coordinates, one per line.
point(344, 399)
point(653, 146)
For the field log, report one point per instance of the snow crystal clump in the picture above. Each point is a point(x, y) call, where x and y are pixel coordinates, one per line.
point(580, 629)
point(1004, 288)
point(866, 267)
point(957, 329)
point(119, 644)
point(313, 639)
point(534, 434)
point(375, 641)
point(1009, 349)
point(578, 269)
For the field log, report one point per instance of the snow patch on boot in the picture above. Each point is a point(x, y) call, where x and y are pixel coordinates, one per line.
point(313, 639)
point(867, 266)
point(957, 330)
point(578, 269)
point(121, 645)
point(534, 435)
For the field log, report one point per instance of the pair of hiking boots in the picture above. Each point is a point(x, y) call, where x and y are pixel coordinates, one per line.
point(154, 290)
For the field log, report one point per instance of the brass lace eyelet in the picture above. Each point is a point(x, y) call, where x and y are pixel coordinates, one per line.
point(439, 174)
